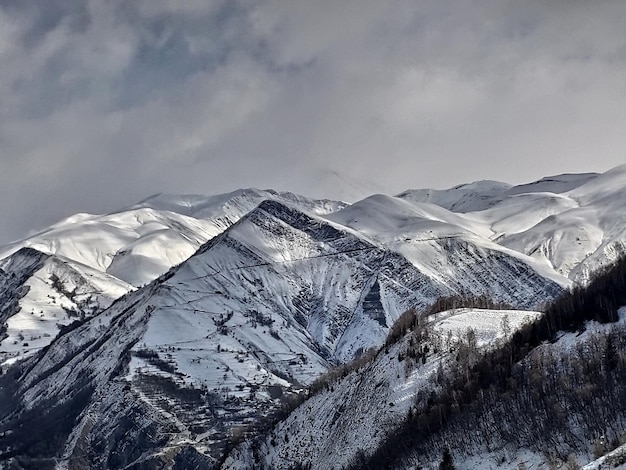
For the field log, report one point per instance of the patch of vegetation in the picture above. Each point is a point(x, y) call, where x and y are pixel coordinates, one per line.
point(516, 376)
point(152, 357)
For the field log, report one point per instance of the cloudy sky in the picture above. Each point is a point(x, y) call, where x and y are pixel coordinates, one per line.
point(105, 102)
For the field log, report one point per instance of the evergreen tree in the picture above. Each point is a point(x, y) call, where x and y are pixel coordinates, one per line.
point(446, 461)
point(610, 354)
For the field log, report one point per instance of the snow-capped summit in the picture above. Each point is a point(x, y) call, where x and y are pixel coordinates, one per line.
point(475, 196)
point(233, 205)
point(164, 332)
point(572, 223)
point(112, 254)
point(256, 313)
point(142, 242)
point(554, 184)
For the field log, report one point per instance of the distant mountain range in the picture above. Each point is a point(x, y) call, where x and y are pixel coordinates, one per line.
point(163, 334)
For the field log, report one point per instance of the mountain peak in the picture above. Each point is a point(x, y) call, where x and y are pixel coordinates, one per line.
point(20, 259)
point(557, 184)
point(268, 290)
point(475, 196)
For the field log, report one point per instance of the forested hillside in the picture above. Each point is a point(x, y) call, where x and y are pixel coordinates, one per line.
point(557, 387)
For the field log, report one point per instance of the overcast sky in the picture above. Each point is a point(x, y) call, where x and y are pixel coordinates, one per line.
point(105, 102)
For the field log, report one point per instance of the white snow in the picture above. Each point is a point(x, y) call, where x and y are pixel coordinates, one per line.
point(614, 459)
point(486, 324)
point(272, 301)
point(353, 414)
point(138, 244)
point(572, 224)
point(106, 256)
point(45, 309)
point(475, 196)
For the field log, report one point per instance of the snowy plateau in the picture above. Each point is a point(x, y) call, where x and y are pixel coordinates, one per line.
point(183, 331)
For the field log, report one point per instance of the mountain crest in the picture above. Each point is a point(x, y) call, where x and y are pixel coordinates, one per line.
point(241, 301)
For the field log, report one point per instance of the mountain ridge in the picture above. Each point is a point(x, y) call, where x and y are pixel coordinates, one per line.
point(276, 290)
point(322, 294)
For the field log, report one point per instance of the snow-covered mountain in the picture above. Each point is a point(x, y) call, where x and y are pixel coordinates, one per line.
point(40, 294)
point(139, 243)
point(350, 416)
point(229, 306)
point(573, 223)
point(257, 313)
point(481, 195)
point(87, 261)
point(588, 230)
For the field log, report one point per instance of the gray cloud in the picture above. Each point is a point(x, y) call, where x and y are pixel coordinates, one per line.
point(104, 103)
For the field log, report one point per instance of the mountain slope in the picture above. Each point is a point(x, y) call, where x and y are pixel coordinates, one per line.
point(546, 396)
point(214, 344)
point(40, 294)
point(417, 230)
point(587, 235)
point(571, 223)
point(90, 260)
point(476, 196)
point(140, 243)
point(481, 195)
point(349, 417)
point(258, 294)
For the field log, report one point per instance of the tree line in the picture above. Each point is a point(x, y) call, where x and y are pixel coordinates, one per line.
point(546, 390)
